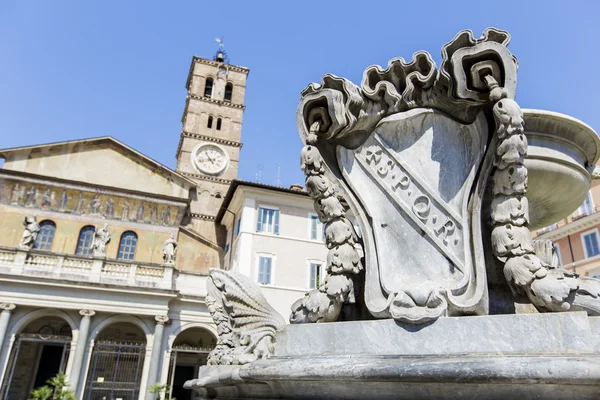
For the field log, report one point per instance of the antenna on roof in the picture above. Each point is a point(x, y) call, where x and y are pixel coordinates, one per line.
point(259, 174)
point(278, 183)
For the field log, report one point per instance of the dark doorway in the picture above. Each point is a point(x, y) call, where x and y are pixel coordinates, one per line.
point(39, 352)
point(183, 373)
point(49, 365)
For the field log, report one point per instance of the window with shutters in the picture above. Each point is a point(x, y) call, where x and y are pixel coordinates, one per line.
point(265, 269)
point(591, 246)
point(315, 274)
point(268, 220)
point(587, 207)
point(315, 228)
point(45, 236)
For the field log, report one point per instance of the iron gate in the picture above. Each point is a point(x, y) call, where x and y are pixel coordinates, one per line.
point(31, 338)
point(115, 371)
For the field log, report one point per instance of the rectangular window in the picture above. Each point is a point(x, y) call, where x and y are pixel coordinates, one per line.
point(587, 207)
point(238, 225)
point(265, 264)
point(316, 228)
point(268, 220)
point(316, 275)
point(590, 244)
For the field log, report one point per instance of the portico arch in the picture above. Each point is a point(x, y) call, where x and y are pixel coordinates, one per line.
point(189, 347)
point(118, 358)
point(42, 342)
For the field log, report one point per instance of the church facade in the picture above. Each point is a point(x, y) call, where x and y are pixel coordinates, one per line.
point(104, 252)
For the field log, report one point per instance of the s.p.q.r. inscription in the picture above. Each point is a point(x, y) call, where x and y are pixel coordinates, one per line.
point(436, 218)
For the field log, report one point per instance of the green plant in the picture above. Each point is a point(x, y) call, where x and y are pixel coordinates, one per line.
point(57, 388)
point(159, 389)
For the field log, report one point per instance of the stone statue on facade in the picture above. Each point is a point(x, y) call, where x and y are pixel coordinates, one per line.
point(99, 241)
point(30, 233)
point(170, 250)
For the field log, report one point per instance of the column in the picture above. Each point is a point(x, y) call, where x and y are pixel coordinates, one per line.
point(82, 339)
point(4, 317)
point(159, 329)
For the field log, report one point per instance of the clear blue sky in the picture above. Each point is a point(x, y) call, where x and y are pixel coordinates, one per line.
point(78, 69)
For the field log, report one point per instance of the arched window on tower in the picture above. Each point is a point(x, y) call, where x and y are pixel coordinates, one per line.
point(228, 91)
point(218, 124)
point(208, 88)
point(209, 124)
point(86, 235)
point(45, 236)
point(127, 246)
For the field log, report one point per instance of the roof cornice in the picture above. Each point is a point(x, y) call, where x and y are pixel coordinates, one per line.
point(237, 183)
point(572, 227)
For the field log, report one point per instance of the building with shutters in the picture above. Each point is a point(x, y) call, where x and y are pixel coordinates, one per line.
point(98, 292)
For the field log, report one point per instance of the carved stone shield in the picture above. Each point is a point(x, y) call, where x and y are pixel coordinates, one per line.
point(414, 177)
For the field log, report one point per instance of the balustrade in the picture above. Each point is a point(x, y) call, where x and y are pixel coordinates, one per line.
point(79, 268)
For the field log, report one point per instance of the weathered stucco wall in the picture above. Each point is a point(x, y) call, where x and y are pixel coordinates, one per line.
point(97, 162)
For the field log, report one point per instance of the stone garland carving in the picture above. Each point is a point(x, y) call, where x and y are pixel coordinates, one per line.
point(246, 323)
point(30, 233)
point(530, 267)
point(343, 260)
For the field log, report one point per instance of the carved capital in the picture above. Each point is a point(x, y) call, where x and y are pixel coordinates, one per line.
point(161, 319)
point(87, 313)
point(7, 306)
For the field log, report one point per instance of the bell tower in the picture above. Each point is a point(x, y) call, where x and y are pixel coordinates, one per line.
point(209, 147)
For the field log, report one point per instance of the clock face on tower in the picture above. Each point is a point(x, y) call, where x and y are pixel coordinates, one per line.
point(209, 159)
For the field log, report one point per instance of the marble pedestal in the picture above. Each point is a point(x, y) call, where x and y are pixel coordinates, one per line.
point(549, 356)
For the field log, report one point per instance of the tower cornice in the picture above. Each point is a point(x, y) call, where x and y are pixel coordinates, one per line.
point(201, 60)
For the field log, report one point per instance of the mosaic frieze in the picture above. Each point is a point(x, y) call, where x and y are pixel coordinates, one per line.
point(96, 204)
